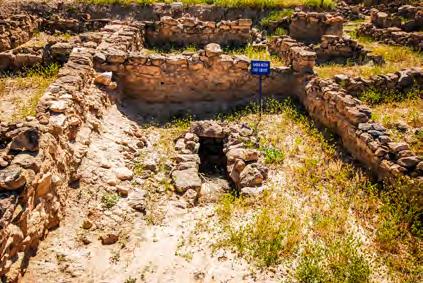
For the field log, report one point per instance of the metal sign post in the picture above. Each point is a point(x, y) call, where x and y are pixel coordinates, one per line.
point(260, 68)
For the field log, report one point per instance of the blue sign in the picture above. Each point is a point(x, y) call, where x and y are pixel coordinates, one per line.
point(261, 68)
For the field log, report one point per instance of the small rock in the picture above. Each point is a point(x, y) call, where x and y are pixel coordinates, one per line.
point(123, 173)
point(87, 224)
point(251, 192)
point(397, 147)
point(12, 178)
point(213, 49)
point(409, 161)
point(26, 140)
point(109, 238)
point(122, 191)
point(136, 200)
point(104, 78)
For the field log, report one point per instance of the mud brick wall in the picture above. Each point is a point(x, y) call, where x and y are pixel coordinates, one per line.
point(368, 141)
point(310, 27)
point(17, 30)
point(185, 31)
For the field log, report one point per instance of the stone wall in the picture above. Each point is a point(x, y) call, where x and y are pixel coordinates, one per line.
point(203, 82)
point(21, 57)
point(294, 53)
point(310, 27)
point(342, 50)
point(185, 31)
point(401, 82)
point(368, 141)
point(408, 18)
point(17, 30)
point(40, 157)
point(393, 36)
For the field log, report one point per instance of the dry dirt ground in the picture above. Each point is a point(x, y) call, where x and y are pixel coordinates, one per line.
point(313, 198)
point(151, 245)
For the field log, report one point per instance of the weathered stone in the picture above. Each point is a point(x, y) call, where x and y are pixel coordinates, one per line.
point(251, 192)
point(109, 238)
point(242, 153)
point(12, 178)
point(397, 147)
point(123, 173)
point(213, 49)
point(26, 140)
point(409, 161)
point(207, 129)
point(186, 179)
point(44, 184)
point(251, 176)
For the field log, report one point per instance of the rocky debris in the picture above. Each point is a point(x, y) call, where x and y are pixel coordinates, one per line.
point(251, 192)
point(136, 200)
point(310, 27)
point(185, 31)
point(368, 141)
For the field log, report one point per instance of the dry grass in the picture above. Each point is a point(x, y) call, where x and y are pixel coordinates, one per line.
point(408, 112)
point(257, 54)
point(23, 91)
point(321, 219)
point(396, 58)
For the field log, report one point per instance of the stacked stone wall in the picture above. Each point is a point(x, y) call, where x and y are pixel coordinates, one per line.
point(40, 157)
point(206, 81)
point(368, 141)
point(392, 36)
point(401, 82)
point(185, 31)
point(17, 30)
point(310, 27)
point(342, 50)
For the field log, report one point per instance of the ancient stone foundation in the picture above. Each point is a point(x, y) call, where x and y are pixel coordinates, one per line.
point(200, 82)
point(310, 27)
point(185, 31)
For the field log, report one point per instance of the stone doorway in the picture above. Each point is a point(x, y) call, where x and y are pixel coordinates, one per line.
point(213, 160)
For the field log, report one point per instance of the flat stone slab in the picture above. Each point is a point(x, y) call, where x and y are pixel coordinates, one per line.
point(186, 179)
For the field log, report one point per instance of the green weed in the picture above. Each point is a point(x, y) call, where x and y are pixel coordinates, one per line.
point(109, 200)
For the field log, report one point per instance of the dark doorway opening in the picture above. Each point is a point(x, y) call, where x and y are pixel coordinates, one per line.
point(212, 158)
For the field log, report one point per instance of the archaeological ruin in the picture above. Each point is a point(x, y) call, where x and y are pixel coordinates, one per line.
point(157, 62)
